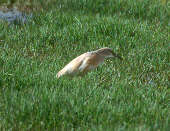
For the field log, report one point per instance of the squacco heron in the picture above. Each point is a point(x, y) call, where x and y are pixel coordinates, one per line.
point(86, 62)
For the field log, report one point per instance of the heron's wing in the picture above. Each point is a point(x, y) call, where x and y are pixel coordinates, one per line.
point(72, 67)
point(89, 63)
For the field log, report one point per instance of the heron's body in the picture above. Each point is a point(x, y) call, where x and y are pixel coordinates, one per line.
point(85, 62)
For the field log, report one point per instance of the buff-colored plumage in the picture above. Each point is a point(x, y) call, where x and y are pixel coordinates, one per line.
point(86, 62)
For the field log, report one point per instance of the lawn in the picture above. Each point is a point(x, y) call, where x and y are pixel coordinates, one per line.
point(132, 94)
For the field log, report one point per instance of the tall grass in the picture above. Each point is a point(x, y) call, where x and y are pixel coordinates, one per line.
point(119, 95)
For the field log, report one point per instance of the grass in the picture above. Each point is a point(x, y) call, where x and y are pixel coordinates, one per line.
point(119, 95)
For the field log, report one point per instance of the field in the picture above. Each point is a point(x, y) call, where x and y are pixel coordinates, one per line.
point(132, 94)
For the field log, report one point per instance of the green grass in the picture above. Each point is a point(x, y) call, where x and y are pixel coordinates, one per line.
point(132, 94)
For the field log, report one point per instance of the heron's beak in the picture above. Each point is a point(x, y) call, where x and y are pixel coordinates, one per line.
point(118, 56)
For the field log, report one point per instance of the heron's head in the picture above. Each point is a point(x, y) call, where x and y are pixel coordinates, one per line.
point(107, 53)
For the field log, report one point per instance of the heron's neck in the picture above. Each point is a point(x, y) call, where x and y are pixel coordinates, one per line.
point(99, 54)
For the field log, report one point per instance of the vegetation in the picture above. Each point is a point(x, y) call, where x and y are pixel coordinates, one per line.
point(119, 95)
